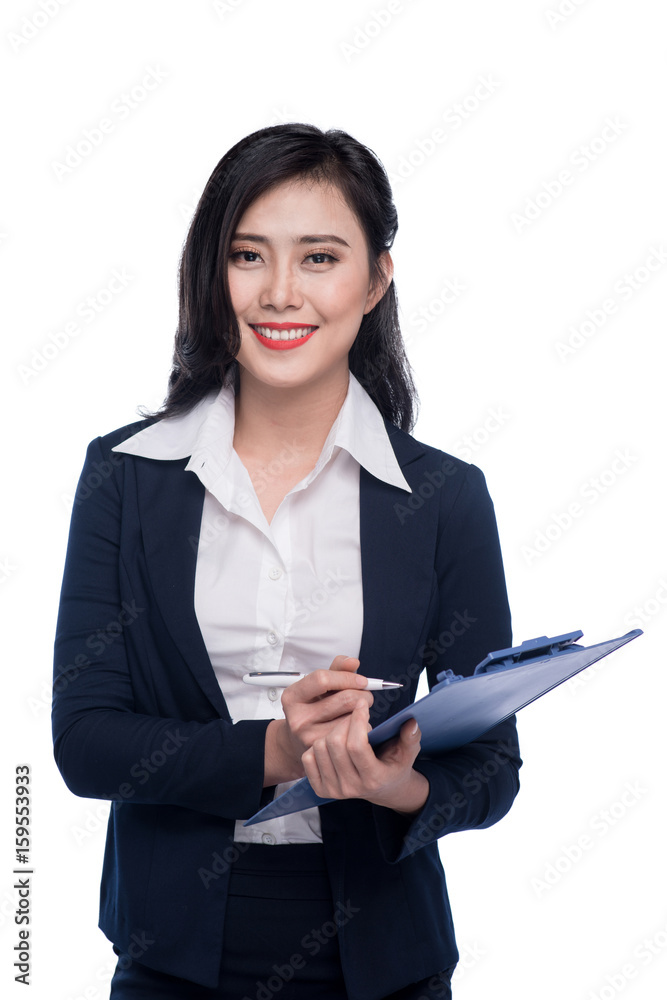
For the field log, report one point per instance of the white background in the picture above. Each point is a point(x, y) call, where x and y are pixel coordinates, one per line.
point(530, 922)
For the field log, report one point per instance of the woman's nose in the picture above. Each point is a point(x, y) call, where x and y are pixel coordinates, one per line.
point(281, 289)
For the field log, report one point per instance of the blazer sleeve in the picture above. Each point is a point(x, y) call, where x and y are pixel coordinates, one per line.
point(106, 744)
point(474, 786)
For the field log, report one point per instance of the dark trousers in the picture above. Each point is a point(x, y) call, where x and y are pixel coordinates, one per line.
point(280, 938)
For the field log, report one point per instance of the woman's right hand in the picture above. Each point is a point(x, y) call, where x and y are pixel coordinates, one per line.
point(313, 707)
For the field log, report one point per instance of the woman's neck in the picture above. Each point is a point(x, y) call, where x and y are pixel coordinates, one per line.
point(267, 418)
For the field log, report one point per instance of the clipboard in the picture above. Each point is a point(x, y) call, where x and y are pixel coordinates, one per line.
point(459, 709)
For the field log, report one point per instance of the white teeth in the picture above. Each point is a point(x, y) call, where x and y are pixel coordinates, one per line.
point(296, 334)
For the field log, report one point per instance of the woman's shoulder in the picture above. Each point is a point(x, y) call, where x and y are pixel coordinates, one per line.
point(120, 434)
point(431, 470)
point(408, 448)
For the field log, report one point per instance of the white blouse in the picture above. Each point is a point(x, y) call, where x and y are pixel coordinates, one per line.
point(285, 595)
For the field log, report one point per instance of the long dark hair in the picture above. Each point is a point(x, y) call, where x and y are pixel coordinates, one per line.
point(208, 337)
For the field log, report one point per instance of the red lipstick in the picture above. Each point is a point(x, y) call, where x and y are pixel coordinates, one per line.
point(282, 345)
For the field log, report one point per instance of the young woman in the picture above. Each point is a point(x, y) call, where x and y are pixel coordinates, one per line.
point(277, 515)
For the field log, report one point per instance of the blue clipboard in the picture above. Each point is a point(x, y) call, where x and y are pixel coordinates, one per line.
point(459, 709)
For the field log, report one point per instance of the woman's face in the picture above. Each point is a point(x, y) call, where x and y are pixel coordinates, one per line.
point(300, 285)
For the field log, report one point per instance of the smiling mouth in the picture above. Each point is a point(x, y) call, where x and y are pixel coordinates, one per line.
point(280, 336)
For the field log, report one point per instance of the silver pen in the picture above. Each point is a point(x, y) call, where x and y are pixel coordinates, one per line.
point(283, 678)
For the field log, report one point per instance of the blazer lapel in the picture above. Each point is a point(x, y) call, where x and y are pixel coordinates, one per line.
point(170, 513)
point(398, 537)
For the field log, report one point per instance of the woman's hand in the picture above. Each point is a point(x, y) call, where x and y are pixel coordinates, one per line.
point(343, 765)
point(313, 707)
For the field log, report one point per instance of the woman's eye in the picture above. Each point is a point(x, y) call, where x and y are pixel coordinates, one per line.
point(247, 256)
point(320, 257)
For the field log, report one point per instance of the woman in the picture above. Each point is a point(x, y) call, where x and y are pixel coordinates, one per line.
point(277, 515)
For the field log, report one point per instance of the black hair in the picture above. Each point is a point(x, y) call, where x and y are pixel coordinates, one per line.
point(208, 337)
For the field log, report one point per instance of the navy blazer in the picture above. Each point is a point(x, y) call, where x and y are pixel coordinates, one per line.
point(139, 717)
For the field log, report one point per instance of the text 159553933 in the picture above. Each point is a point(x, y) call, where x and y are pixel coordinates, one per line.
point(22, 884)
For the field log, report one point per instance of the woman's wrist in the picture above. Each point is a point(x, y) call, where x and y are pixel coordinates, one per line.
point(407, 799)
point(280, 761)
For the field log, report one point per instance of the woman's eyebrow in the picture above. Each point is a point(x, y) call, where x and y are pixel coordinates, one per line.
point(323, 238)
point(310, 238)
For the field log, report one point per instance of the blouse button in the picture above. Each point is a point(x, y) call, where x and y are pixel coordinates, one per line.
point(275, 572)
point(268, 838)
point(273, 694)
point(272, 638)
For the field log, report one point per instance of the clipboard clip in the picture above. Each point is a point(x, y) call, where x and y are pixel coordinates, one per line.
point(531, 649)
point(448, 677)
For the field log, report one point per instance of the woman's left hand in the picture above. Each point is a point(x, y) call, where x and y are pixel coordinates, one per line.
point(344, 765)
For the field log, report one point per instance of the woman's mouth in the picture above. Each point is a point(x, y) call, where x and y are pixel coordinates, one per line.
point(282, 336)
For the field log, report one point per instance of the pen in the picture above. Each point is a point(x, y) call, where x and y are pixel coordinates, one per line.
point(283, 678)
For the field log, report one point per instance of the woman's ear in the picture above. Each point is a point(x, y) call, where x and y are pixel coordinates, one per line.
point(378, 287)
